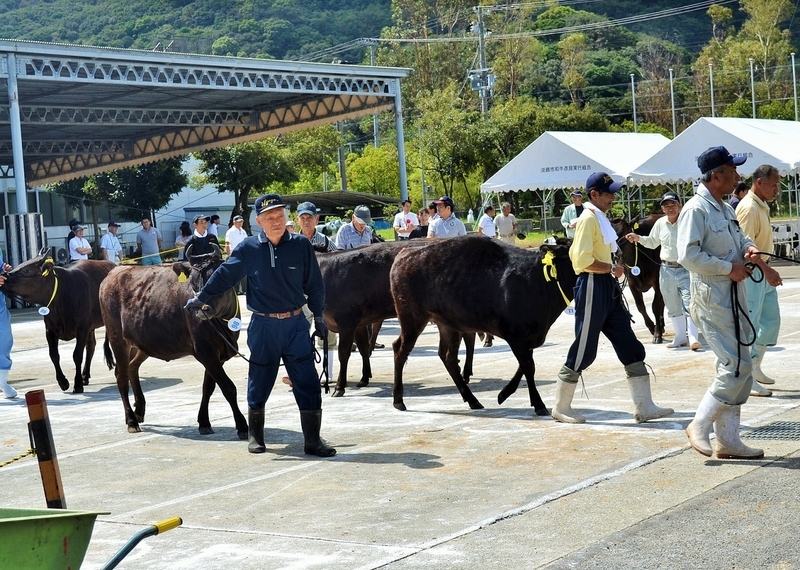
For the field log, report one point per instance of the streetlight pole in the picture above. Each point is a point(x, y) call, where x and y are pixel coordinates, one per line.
point(672, 104)
point(711, 83)
point(753, 88)
point(482, 51)
point(633, 94)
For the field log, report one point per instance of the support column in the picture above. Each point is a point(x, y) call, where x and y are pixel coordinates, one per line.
point(401, 140)
point(16, 134)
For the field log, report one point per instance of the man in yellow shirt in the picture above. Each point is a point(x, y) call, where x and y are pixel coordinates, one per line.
point(599, 308)
point(762, 298)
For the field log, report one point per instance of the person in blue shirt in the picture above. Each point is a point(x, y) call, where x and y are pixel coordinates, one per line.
point(6, 339)
point(282, 275)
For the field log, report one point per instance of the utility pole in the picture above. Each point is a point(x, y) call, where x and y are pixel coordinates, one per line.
point(483, 70)
point(372, 45)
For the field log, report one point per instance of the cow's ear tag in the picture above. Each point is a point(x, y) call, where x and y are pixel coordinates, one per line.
point(182, 278)
point(636, 226)
point(44, 311)
point(570, 310)
point(635, 271)
point(235, 324)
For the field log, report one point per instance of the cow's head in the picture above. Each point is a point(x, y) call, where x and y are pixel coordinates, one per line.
point(557, 255)
point(33, 280)
point(197, 272)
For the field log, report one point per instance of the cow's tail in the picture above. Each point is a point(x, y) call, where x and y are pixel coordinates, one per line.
point(108, 355)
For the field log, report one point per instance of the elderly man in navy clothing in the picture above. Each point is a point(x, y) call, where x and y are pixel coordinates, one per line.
point(282, 271)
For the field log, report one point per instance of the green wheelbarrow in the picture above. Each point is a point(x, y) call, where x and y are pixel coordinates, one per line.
point(55, 539)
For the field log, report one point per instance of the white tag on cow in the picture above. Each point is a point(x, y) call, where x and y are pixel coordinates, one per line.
point(570, 310)
point(235, 324)
point(635, 271)
point(44, 311)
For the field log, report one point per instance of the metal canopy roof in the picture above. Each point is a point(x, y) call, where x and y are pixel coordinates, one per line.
point(84, 110)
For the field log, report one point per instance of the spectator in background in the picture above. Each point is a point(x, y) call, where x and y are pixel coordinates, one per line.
point(356, 232)
point(421, 231)
point(110, 247)
point(290, 226)
point(571, 213)
point(213, 226)
point(432, 213)
point(486, 225)
point(506, 224)
point(184, 233)
point(737, 195)
point(72, 223)
point(309, 218)
point(149, 239)
point(79, 247)
point(447, 224)
point(405, 221)
point(235, 235)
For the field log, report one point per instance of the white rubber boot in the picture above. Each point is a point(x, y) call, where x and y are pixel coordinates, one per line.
point(679, 326)
point(644, 408)
point(9, 392)
point(699, 430)
point(758, 374)
point(756, 389)
point(694, 337)
point(563, 411)
point(332, 366)
point(729, 443)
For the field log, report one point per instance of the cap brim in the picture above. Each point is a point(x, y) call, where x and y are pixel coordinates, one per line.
point(271, 207)
point(739, 160)
point(362, 220)
point(301, 212)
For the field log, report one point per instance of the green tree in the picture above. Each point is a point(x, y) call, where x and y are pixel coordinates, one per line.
point(244, 169)
point(375, 170)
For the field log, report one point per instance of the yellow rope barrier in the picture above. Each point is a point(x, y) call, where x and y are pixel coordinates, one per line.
point(30, 451)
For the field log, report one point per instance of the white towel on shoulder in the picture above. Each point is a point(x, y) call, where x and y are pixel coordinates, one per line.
point(609, 235)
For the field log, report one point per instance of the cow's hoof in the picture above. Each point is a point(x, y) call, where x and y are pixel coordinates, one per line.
point(243, 435)
point(205, 430)
point(400, 406)
point(363, 383)
point(78, 389)
point(658, 340)
point(487, 344)
point(476, 405)
point(338, 393)
point(63, 383)
point(466, 379)
point(85, 381)
point(502, 397)
point(134, 429)
point(542, 412)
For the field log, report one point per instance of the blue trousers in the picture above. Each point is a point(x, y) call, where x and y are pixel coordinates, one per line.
point(6, 338)
point(270, 340)
point(762, 303)
point(599, 309)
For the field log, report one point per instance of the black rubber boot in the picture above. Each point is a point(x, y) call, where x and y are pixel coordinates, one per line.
point(311, 420)
point(255, 421)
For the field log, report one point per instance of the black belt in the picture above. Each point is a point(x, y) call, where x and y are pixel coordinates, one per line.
point(286, 315)
point(401, 238)
point(671, 264)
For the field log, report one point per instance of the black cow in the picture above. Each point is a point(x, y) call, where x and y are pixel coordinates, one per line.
point(649, 263)
point(71, 296)
point(143, 312)
point(357, 294)
point(473, 284)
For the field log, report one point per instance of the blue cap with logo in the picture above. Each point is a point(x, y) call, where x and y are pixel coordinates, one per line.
point(715, 157)
point(268, 202)
point(602, 182)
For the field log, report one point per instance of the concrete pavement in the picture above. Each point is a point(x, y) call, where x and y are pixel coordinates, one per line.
point(438, 486)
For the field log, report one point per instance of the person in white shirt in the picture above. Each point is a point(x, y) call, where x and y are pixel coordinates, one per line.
point(235, 235)
point(110, 247)
point(405, 221)
point(486, 225)
point(79, 248)
point(213, 226)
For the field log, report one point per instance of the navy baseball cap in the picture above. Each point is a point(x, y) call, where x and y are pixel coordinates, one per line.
point(669, 197)
point(576, 192)
point(715, 157)
point(269, 202)
point(307, 208)
point(602, 182)
point(113, 225)
point(447, 200)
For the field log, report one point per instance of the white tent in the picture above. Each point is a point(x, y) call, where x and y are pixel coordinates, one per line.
point(566, 159)
point(762, 141)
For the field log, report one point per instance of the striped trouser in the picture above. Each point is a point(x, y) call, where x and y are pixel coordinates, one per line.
point(599, 309)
